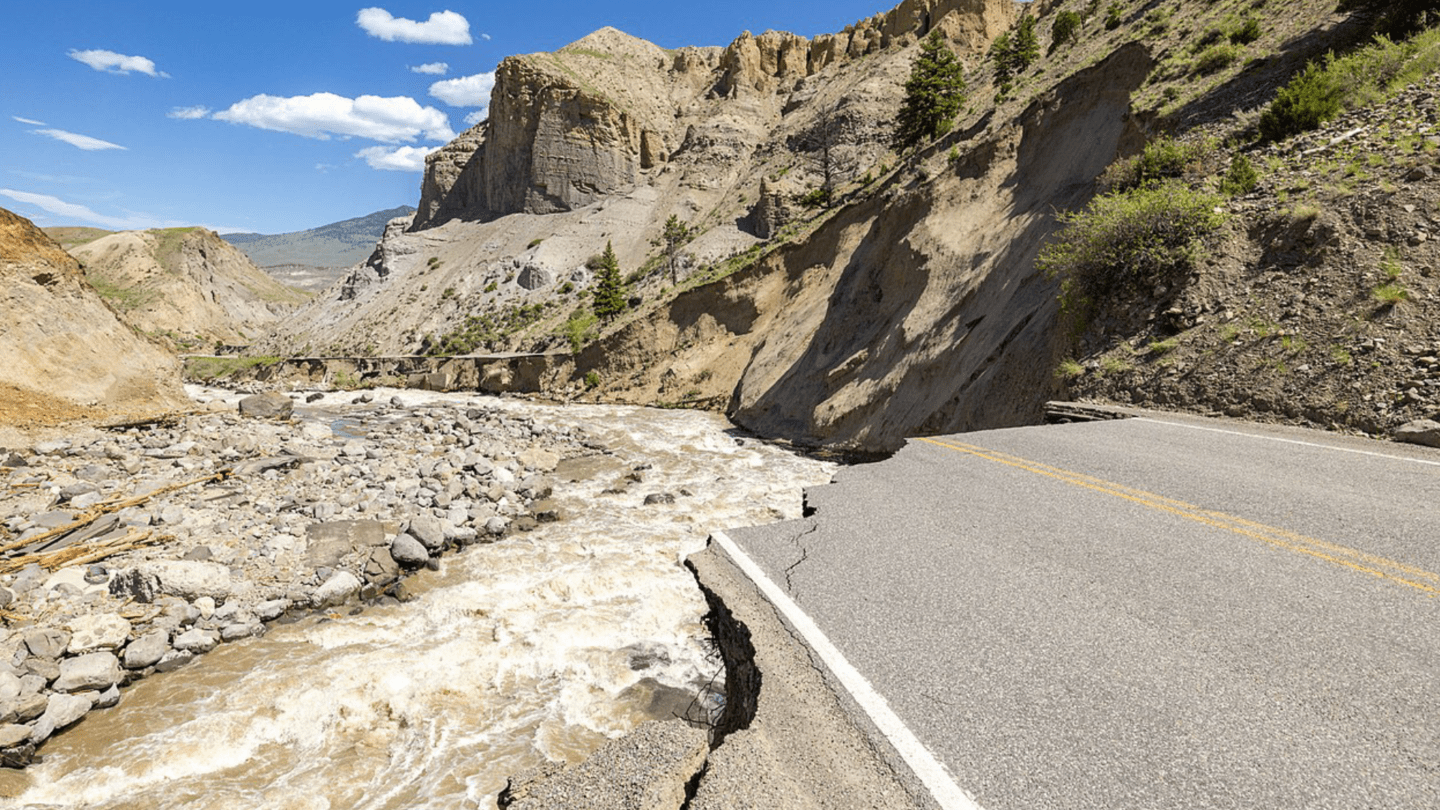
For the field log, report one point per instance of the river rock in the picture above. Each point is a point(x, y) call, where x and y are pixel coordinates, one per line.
point(46, 669)
point(272, 610)
point(1423, 431)
point(46, 642)
point(9, 686)
point(12, 735)
point(96, 670)
point(429, 530)
point(60, 711)
point(173, 660)
point(107, 699)
point(496, 526)
point(196, 640)
point(336, 590)
point(239, 630)
point(330, 542)
point(147, 650)
point(101, 631)
point(23, 709)
point(189, 579)
point(408, 551)
point(272, 405)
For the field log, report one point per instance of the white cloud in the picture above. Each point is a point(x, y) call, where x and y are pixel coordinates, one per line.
point(467, 91)
point(112, 62)
point(404, 159)
point(443, 27)
point(60, 208)
point(189, 113)
point(431, 69)
point(85, 142)
point(485, 37)
point(32, 122)
point(321, 115)
point(476, 117)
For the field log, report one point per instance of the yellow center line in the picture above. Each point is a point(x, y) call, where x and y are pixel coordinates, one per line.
point(1344, 556)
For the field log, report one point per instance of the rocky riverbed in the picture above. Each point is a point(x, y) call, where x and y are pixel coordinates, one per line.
point(137, 551)
point(205, 529)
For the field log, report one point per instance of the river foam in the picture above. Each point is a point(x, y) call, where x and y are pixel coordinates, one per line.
point(536, 648)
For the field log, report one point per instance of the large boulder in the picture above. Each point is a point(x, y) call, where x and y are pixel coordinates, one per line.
point(1423, 431)
point(270, 405)
point(188, 579)
point(91, 671)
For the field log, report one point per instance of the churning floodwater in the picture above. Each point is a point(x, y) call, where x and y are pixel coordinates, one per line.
point(535, 648)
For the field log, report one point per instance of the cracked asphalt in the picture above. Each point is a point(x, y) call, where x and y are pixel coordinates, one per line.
point(1153, 613)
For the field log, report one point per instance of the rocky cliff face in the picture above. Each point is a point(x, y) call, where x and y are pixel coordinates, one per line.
point(602, 114)
point(63, 352)
point(185, 283)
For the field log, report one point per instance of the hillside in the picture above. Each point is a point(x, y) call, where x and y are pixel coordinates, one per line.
point(184, 284)
point(311, 259)
point(911, 302)
point(63, 353)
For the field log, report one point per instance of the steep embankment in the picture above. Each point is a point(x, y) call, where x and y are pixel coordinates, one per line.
point(908, 302)
point(1320, 301)
point(602, 142)
point(186, 284)
point(63, 353)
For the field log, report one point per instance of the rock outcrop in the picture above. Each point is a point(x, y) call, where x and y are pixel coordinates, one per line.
point(185, 283)
point(594, 118)
point(62, 350)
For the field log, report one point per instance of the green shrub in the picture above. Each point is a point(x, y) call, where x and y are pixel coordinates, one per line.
point(1216, 58)
point(815, 198)
point(1328, 87)
point(1241, 178)
point(1128, 240)
point(1112, 17)
point(1309, 100)
point(1163, 158)
point(1247, 33)
point(592, 380)
point(1066, 29)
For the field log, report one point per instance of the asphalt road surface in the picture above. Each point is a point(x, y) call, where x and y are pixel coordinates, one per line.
point(1151, 613)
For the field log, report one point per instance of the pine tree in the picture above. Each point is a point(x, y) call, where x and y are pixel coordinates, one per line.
point(934, 94)
point(611, 295)
point(1013, 54)
point(1027, 43)
point(676, 234)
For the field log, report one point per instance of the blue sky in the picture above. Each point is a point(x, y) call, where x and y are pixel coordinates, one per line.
point(274, 117)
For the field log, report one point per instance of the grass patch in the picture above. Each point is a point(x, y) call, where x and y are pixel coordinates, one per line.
point(206, 369)
point(1390, 294)
point(168, 242)
point(1069, 370)
point(1160, 348)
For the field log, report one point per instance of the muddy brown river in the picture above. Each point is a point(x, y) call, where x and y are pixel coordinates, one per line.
point(536, 648)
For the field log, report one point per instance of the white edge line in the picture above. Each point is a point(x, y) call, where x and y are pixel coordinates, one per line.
point(928, 769)
point(1287, 441)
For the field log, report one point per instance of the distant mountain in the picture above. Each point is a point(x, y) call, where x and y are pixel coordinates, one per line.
point(340, 244)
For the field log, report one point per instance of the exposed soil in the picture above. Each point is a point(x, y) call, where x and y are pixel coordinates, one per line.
point(1319, 305)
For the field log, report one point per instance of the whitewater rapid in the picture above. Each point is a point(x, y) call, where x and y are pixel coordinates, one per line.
point(536, 648)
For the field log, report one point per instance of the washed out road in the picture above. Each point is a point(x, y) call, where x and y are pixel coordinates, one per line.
point(1150, 613)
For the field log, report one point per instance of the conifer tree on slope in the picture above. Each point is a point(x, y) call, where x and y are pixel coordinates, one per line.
point(933, 94)
point(611, 296)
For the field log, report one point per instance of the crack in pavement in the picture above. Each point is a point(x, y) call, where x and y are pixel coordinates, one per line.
point(804, 555)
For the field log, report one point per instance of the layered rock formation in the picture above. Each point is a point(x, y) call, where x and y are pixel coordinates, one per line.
point(63, 352)
point(185, 283)
point(599, 115)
